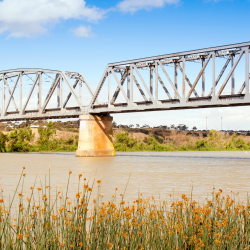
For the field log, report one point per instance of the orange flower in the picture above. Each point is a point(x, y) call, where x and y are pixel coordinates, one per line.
point(39, 189)
point(80, 244)
point(23, 167)
point(24, 175)
point(98, 181)
point(1, 200)
point(20, 236)
point(85, 186)
point(69, 202)
point(31, 188)
point(70, 172)
point(110, 245)
point(89, 189)
point(80, 175)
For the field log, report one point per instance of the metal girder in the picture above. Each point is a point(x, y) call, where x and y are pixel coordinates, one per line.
point(117, 91)
point(51, 91)
point(169, 79)
point(199, 76)
point(11, 95)
point(188, 81)
point(230, 73)
point(220, 75)
point(120, 86)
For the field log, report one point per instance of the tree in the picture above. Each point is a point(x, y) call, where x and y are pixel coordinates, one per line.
point(20, 140)
point(182, 127)
point(44, 135)
point(194, 128)
point(172, 126)
point(137, 125)
point(3, 140)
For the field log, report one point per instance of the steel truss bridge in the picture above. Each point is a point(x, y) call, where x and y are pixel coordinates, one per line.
point(150, 77)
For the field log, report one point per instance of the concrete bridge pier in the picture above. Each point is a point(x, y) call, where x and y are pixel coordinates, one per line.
point(95, 136)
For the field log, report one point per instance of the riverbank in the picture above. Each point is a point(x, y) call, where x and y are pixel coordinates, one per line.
point(213, 141)
point(49, 139)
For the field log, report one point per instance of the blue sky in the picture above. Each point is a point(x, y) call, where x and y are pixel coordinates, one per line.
point(80, 36)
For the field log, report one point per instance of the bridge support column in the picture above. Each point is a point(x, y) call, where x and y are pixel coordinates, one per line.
point(95, 136)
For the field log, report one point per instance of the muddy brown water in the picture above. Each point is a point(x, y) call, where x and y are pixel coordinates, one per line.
point(152, 173)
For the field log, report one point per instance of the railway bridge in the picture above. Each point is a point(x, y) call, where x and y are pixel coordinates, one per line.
point(203, 78)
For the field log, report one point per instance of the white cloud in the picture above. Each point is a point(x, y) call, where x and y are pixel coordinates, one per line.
point(82, 31)
point(135, 5)
point(32, 17)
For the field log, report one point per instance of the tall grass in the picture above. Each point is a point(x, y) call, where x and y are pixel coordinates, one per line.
point(58, 223)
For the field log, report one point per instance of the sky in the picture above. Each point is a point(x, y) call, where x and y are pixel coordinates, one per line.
point(84, 36)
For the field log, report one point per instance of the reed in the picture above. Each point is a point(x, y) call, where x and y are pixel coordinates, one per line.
point(80, 223)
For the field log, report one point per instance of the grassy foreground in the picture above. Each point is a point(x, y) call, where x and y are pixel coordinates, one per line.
point(62, 223)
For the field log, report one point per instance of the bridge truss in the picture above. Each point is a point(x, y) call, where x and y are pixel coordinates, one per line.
point(202, 78)
point(219, 63)
point(15, 83)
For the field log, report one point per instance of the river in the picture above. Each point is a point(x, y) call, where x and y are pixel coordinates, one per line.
point(152, 173)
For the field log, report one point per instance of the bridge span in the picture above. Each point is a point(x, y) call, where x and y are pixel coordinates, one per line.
point(202, 78)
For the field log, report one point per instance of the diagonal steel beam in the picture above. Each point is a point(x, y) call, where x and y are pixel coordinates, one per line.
point(117, 91)
point(31, 91)
point(230, 73)
point(144, 84)
point(220, 75)
point(140, 89)
point(99, 87)
point(70, 94)
point(199, 76)
point(169, 79)
point(6, 83)
point(119, 84)
point(243, 86)
point(50, 92)
point(72, 90)
point(187, 79)
point(163, 85)
point(88, 86)
point(12, 93)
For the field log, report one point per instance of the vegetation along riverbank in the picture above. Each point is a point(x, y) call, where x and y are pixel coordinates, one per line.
point(60, 137)
point(85, 222)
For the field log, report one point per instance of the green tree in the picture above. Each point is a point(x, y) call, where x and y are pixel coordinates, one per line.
point(44, 136)
point(3, 140)
point(20, 140)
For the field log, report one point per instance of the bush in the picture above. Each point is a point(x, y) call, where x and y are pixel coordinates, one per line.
point(20, 140)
